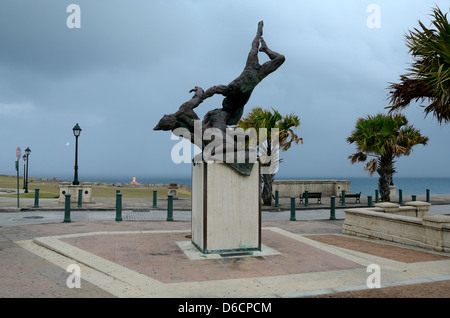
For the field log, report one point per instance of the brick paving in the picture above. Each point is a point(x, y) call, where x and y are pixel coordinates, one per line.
point(439, 289)
point(396, 253)
point(156, 255)
point(25, 274)
point(425, 290)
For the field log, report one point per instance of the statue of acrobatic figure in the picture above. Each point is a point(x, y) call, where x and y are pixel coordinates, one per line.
point(236, 93)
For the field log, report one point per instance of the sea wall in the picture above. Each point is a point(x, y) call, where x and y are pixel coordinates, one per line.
point(288, 188)
point(119, 184)
point(143, 185)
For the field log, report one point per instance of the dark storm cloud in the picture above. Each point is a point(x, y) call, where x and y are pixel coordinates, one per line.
point(131, 62)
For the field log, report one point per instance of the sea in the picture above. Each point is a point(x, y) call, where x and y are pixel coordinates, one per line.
point(408, 185)
point(365, 185)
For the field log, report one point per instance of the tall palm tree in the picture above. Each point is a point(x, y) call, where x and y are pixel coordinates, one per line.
point(258, 118)
point(384, 137)
point(429, 77)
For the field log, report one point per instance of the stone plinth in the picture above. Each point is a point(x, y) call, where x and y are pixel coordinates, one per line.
point(173, 190)
point(68, 187)
point(417, 209)
point(226, 210)
point(392, 190)
point(420, 207)
point(388, 207)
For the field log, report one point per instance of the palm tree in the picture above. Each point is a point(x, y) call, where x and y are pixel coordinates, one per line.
point(384, 137)
point(429, 77)
point(258, 118)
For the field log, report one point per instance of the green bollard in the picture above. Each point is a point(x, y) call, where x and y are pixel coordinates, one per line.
point(292, 209)
point(369, 201)
point(343, 198)
point(169, 207)
point(400, 196)
point(67, 209)
point(80, 198)
point(377, 196)
point(332, 207)
point(36, 198)
point(155, 198)
point(118, 206)
point(306, 198)
point(413, 197)
point(276, 199)
point(428, 195)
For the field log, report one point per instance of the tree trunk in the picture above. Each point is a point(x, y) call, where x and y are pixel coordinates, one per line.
point(266, 194)
point(385, 171)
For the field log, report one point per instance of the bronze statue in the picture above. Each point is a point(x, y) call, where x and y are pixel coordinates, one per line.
point(236, 93)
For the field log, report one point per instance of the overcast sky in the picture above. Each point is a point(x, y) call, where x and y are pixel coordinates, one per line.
point(131, 62)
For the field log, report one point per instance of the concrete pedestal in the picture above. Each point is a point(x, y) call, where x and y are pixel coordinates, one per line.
point(173, 190)
point(68, 187)
point(392, 189)
point(226, 210)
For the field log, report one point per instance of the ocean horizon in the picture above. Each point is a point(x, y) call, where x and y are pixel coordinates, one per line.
point(365, 185)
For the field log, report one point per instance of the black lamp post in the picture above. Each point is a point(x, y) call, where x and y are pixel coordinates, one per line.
point(76, 133)
point(24, 157)
point(27, 153)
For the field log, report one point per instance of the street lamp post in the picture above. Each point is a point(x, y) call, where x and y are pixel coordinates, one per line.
point(27, 153)
point(76, 133)
point(24, 157)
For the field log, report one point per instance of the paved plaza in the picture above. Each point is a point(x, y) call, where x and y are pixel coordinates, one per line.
point(144, 255)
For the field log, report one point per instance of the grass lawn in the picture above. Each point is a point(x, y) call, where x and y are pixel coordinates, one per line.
point(49, 189)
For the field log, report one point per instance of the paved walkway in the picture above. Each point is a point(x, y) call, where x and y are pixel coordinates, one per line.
point(146, 256)
point(9, 204)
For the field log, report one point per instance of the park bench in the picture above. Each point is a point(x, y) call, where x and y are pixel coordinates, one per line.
point(312, 195)
point(357, 197)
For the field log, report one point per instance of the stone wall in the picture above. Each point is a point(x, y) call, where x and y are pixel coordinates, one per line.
point(288, 188)
point(407, 224)
point(142, 185)
point(73, 190)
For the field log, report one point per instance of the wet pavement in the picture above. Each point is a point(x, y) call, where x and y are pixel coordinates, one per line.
point(146, 256)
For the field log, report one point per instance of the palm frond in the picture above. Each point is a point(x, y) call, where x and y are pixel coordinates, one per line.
point(383, 136)
point(429, 77)
point(371, 166)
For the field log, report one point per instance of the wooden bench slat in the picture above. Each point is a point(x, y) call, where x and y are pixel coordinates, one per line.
point(357, 196)
point(312, 195)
